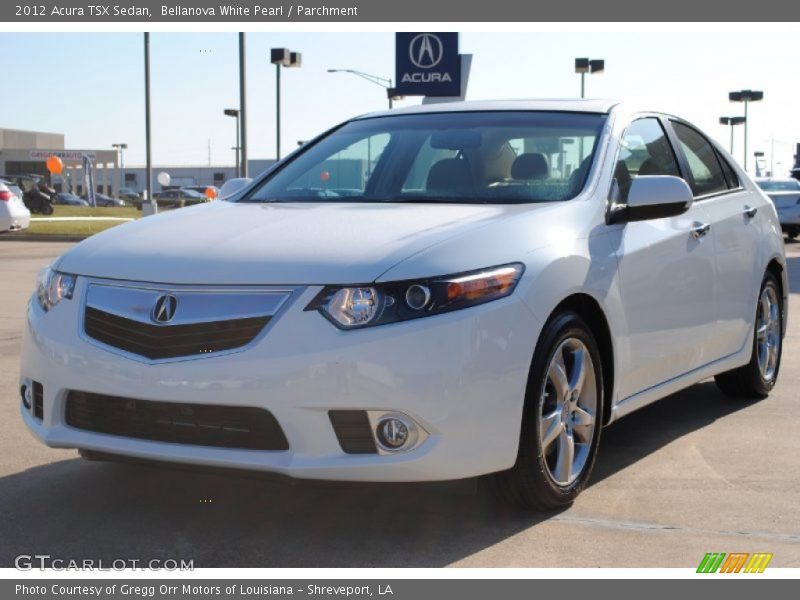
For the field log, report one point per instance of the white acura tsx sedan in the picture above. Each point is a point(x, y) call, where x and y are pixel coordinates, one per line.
point(431, 293)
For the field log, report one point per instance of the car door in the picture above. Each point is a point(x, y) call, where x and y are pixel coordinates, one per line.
point(734, 220)
point(666, 271)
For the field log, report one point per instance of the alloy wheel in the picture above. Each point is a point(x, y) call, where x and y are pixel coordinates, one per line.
point(768, 333)
point(568, 411)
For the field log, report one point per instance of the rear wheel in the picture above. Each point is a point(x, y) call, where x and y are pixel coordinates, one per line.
point(561, 420)
point(792, 232)
point(758, 377)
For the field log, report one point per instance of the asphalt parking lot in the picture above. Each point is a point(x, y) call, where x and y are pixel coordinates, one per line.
point(694, 473)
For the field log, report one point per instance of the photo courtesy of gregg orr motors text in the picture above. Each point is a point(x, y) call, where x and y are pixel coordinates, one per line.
point(166, 590)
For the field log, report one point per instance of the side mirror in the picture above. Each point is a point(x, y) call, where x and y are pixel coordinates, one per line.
point(652, 197)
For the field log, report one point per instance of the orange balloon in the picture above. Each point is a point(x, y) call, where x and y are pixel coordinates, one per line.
point(54, 165)
point(211, 193)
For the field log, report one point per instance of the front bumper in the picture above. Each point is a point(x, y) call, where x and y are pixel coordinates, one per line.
point(461, 376)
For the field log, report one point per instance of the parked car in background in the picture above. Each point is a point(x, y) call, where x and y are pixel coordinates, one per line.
point(37, 195)
point(129, 195)
point(230, 187)
point(14, 216)
point(203, 189)
point(785, 195)
point(475, 304)
point(15, 189)
point(178, 197)
point(68, 199)
point(105, 201)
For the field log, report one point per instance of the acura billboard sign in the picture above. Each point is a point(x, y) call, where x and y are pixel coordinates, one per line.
point(427, 64)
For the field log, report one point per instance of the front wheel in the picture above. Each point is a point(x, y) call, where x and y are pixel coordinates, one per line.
point(757, 378)
point(562, 418)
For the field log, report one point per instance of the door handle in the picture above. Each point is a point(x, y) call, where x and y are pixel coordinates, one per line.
point(750, 212)
point(700, 229)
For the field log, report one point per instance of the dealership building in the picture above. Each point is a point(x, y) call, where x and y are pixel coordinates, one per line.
point(25, 153)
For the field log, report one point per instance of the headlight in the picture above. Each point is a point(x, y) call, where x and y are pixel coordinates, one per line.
point(52, 287)
point(354, 307)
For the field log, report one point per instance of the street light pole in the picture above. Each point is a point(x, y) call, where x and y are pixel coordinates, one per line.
point(242, 128)
point(586, 65)
point(745, 135)
point(731, 140)
point(281, 57)
point(381, 81)
point(745, 96)
point(732, 122)
point(232, 112)
point(756, 155)
point(148, 155)
point(277, 111)
point(772, 156)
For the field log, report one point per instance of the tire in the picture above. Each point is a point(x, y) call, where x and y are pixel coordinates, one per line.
point(538, 480)
point(47, 209)
point(792, 233)
point(757, 378)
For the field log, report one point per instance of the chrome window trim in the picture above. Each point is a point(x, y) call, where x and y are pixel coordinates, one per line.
point(719, 194)
point(292, 293)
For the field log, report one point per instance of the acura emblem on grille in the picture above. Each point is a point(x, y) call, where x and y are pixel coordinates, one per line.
point(164, 308)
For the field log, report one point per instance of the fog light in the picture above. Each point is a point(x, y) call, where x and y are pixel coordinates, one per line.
point(418, 296)
point(392, 433)
point(26, 392)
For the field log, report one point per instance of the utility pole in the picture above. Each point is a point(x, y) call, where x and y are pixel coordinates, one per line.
point(242, 106)
point(148, 155)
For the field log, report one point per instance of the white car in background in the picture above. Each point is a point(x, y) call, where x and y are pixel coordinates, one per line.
point(14, 216)
point(431, 293)
point(785, 194)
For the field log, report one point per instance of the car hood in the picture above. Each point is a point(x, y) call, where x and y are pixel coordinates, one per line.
point(275, 243)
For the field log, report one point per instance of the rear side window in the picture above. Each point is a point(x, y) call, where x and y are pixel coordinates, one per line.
point(704, 165)
point(730, 174)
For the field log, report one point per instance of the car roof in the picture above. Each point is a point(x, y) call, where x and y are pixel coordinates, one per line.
point(602, 106)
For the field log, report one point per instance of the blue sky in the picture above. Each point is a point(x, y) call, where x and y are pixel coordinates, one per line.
point(90, 86)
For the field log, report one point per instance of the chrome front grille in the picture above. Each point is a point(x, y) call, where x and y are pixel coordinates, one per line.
point(155, 341)
point(178, 323)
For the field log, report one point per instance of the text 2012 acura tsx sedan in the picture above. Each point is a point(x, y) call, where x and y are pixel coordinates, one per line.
point(434, 293)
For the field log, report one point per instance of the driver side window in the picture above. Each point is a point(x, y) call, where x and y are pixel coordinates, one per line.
point(644, 150)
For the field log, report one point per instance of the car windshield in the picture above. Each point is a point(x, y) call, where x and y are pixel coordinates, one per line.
point(788, 185)
point(464, 157)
